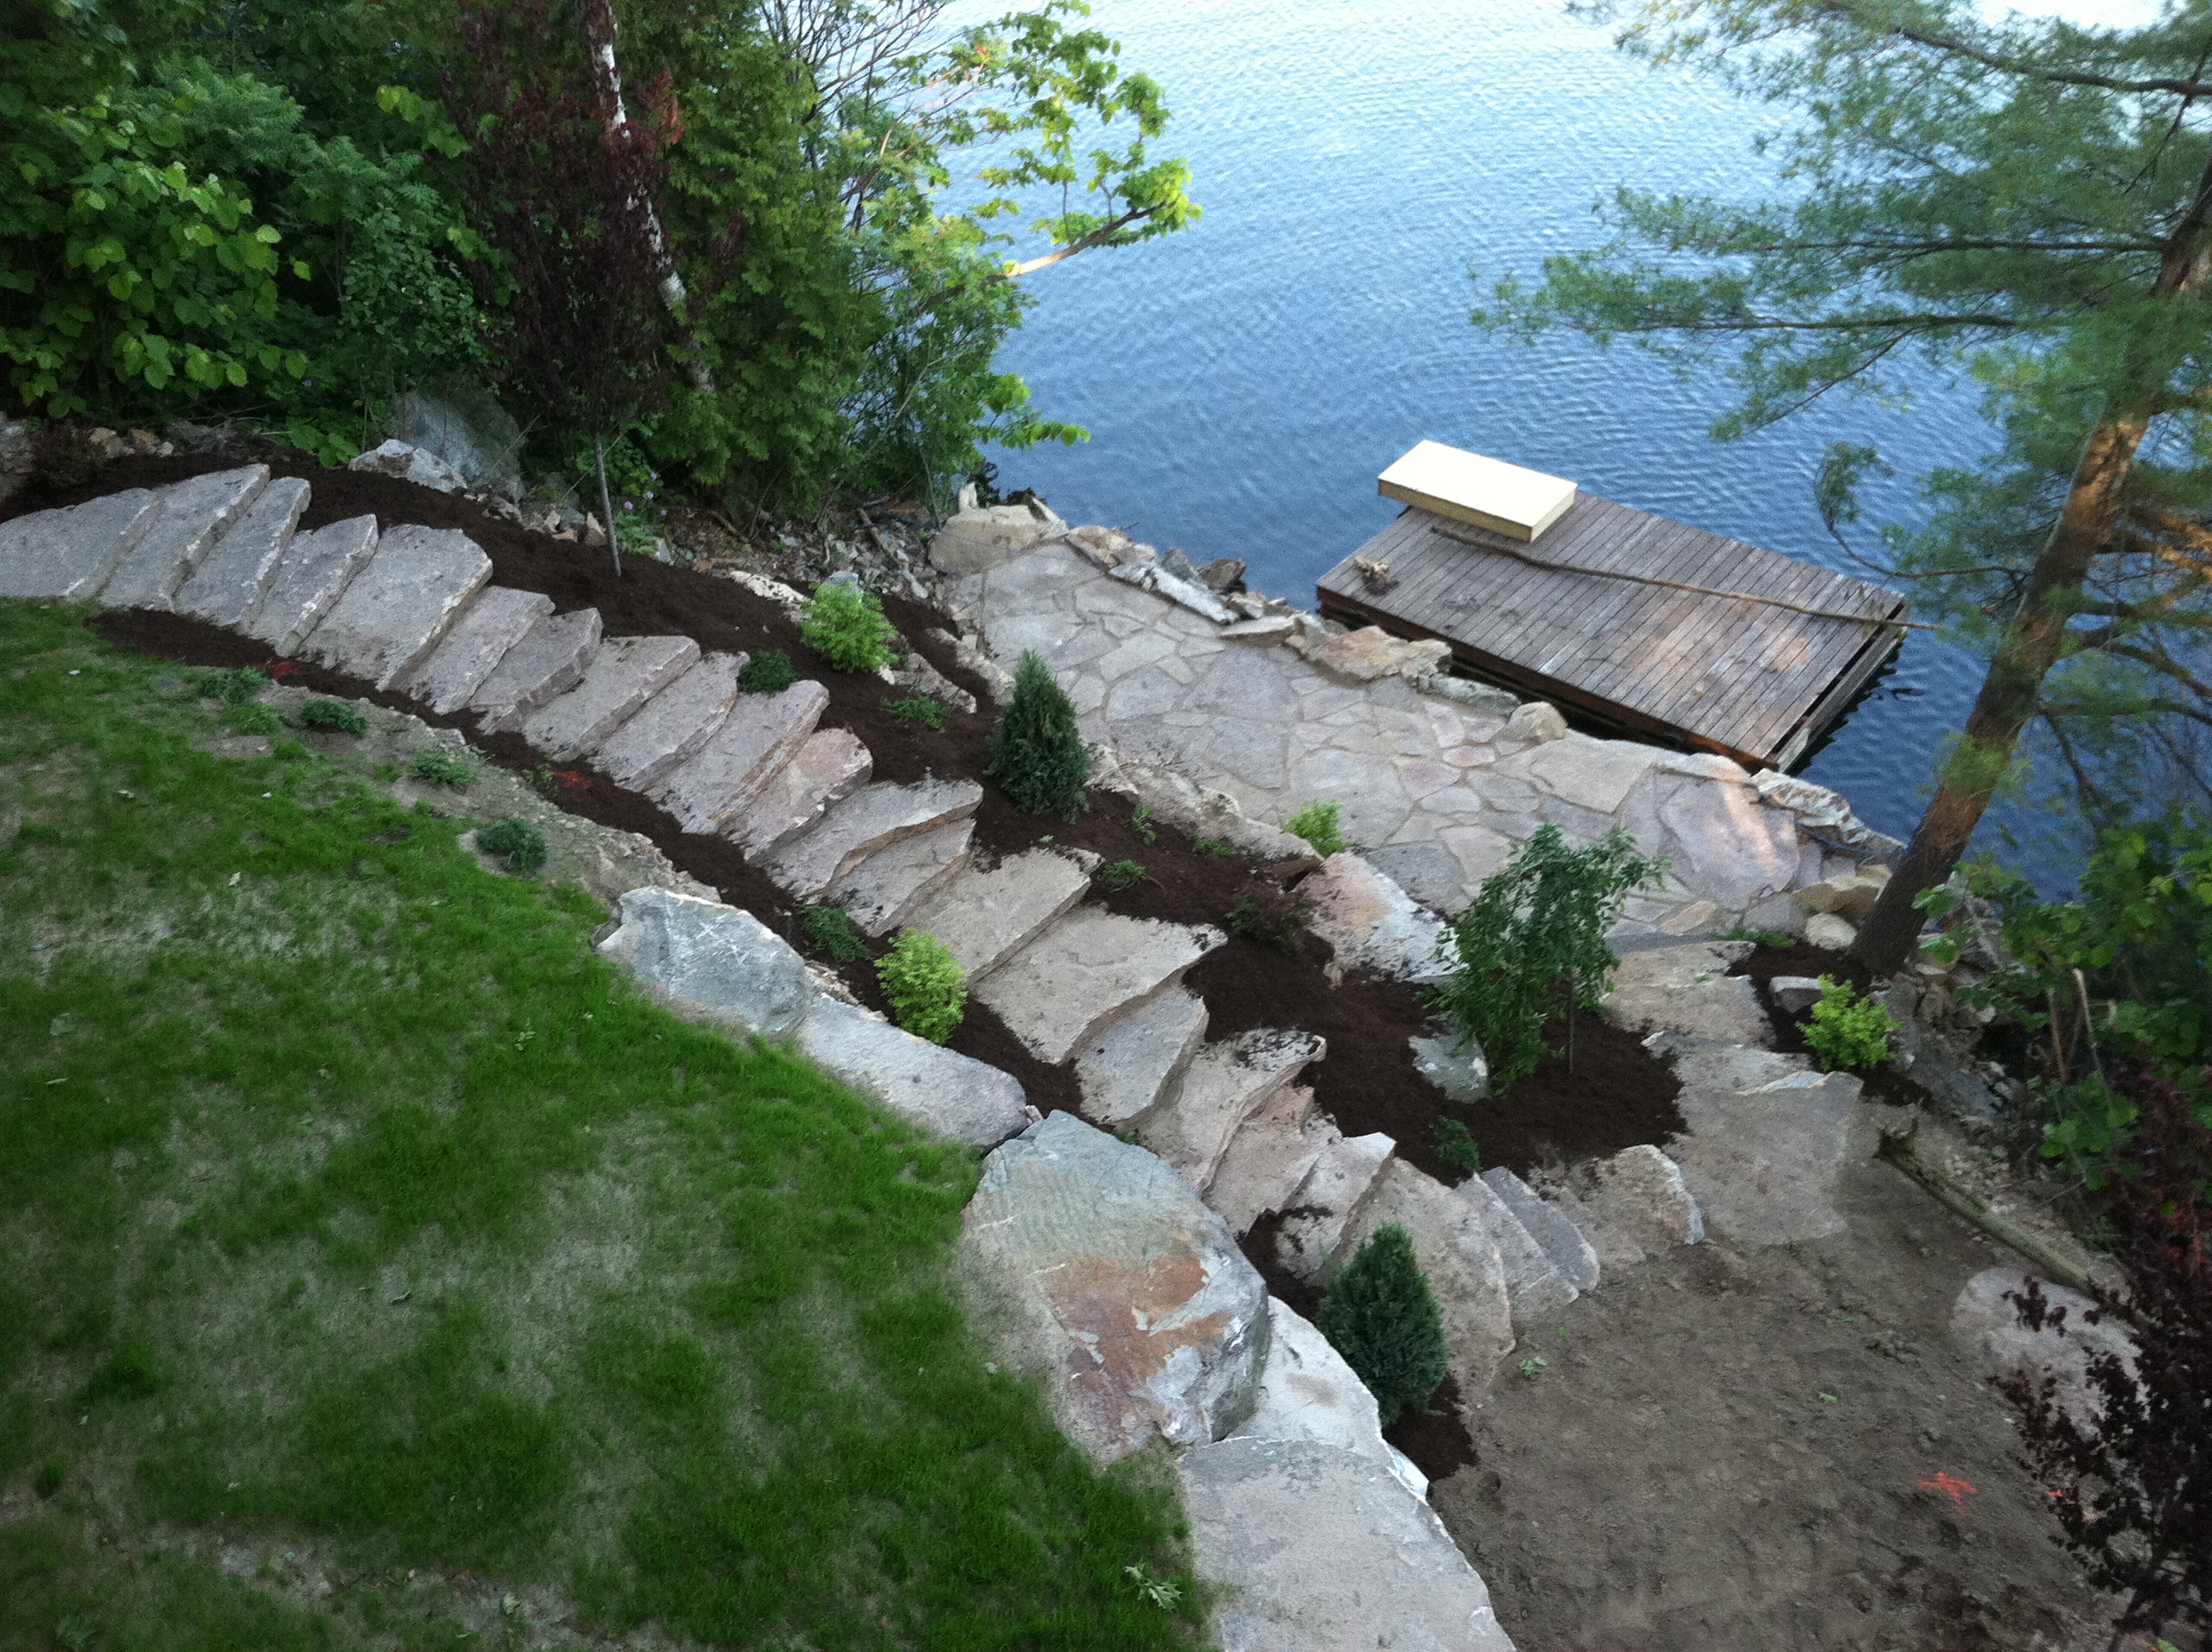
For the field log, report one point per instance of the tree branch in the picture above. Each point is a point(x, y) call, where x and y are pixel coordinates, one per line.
point(2025, 70)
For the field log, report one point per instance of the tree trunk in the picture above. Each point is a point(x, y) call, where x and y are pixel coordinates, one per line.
point(606, 504)
point(2035, 640)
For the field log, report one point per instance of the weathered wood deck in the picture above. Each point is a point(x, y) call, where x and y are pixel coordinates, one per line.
point(1753, 680)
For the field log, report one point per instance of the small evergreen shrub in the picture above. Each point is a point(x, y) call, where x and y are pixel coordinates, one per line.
point(1121, 873)
point(252, 717)
point(1456, 1148)
point(768, 671)
point(1037, 753)
point(334, 714)
point(1206, 845)
point(1381, 1316)
point(441, 768)
point(927, 987)
point(830, 932)
point(520, 847)
point(917, 708)
point(1320, 824)
point(1273, 922)
point(846, 626)
point(233, 688)
point(1847, 1030)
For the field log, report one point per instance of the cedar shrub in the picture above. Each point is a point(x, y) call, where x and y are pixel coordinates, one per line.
point(1037, 753)
point(1381, 1314)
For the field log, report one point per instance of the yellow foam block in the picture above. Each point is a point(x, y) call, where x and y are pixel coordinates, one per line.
point(1488, 493)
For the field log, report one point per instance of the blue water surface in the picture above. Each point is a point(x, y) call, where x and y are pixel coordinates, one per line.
point(1244, 381)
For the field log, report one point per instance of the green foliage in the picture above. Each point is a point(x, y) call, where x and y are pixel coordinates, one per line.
point(1037, 753)
point(846, 626)
point(1120, 874)
point(438, 766)
point(768, 671)
point(47, 1480)
point(1380, 1313)
point(1456, 1148)
point(927, 987)
point(1140, 818)
point(519, 846)
point(252, 717)
point(334, 714)
point(918, 708)
point(830, 932)
point(1212, 845)
point(1272, 921)
point(1534, 933)
point(1846, 1031)
point(233, 688)
point(1320, 824)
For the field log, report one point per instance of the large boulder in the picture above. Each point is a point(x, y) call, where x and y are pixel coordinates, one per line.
point(409, 464)
point(1688, 989)
point(982, 537)
point(1453, 1243)
point(469, 432)
point(1306, 1392)
point(1987, 1329)
point(1370, 922)
point(1088, 1262)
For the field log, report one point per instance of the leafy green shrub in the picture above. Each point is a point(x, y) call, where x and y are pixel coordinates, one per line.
point(918, 708)
point(252, 717)
point(1320, 824)
point(334, 714)
point(846, 626)
point(1848, 1031)
point(1381, 1316)
point(520, 847)
point(927, 987)
point(1273, 922)
point(437, 768)
point(830, 932)
point(233, 688)
point(1037, 753)
point(1120, 874)
point(768, 671)
point(1140, 817)
point(1531, 942)
point(1456, 1148)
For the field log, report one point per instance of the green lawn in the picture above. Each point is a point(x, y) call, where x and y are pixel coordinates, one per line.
point(361, 1226)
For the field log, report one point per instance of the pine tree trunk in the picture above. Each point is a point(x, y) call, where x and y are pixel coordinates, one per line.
point(2035, 640)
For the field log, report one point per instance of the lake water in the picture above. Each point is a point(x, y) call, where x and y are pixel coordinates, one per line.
point(1244, 381)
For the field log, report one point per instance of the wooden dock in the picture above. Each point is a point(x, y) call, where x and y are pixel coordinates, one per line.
point(1755, 674)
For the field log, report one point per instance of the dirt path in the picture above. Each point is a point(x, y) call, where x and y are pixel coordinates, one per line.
point(1673, 1477)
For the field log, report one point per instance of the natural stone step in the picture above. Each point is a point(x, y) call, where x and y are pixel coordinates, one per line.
point(69, 553)
point(1456, 1249)
point(952, 1095)
point(860, 825)
point(1536, 1288)
point(479, 639)
point(714, 788)
point(550, 659)
point(397, 608)
point(1688, 989)
point(1342, 1177)
point(194, 514)
point(311, 576)
point(232, 578)
point(1086, 1262)
point(1136, 1062)
point(625, 673)
point(985, 917)
point(1269, 1157)
point(880, 893)
point(831, 765)
point(1630, 1205)
point(672, 725)
point(1370, 922)
point(1086, 971)
point(1549, 1226)
point(1225, 1083)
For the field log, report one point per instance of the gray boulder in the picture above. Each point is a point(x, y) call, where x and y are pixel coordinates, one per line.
point(1454, 1244)
point(1688, 989)
point(1987, 1329)
point(1090, 1263)
point(1370, 922)
point(409, 464)
point(469, 432)
point(1306, 1392)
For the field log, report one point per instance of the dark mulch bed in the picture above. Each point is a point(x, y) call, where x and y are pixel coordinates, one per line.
point(1886, 1083)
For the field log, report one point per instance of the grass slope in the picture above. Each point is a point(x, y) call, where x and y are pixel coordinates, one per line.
point(359, 1219)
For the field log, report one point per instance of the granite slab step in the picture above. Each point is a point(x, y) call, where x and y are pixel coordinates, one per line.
point(1268, 1159)
point(549, 659)
point(985, 917)
point(717, 785)
point(1136, 1062)
point(1343, 1175)
point(1088, 970)
point(672, 725)
point(1549, 1226)
point(1536, 1288)
point(830, 765)
point(70, 554)
point(194, 514)
point(859, 826)
point(398, 608)
point(311, 576)
point(1225, 1084)
point(625, 673)
point(233, 577)
point(480, 637)
point(880, 894)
